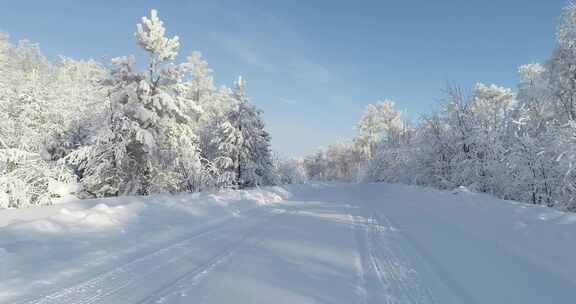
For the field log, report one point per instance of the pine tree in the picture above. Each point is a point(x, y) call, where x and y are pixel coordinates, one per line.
point(149, 144)
point(253, 155)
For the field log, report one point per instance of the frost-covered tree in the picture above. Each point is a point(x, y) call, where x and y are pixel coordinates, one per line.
point(218, 138)
point(489, 118)
point(316, 166)
point(239, 143)
point(254, 156)
point(392, 139)
point(379, 122)
point(200, 86)
point(290, 170)
point(561, 66)
point(341, 162)
point(149, 144)
point(43, 116)
point(121, 130)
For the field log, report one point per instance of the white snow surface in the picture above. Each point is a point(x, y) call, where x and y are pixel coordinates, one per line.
point(323, 243)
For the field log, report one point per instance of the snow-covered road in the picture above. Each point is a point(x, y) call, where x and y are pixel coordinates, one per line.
point(326, 244)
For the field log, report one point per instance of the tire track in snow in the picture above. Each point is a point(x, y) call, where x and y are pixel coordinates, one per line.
point(195, 275)
point(108, 283)
point(450, 284)
point(387, 276)
point(92, 290)
point(359, 263)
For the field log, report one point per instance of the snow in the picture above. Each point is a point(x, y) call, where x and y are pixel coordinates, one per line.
point(322, 243)
point(98, 217)
point(63, 190)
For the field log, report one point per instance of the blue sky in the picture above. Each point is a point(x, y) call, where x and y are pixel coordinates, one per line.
point(313, 66)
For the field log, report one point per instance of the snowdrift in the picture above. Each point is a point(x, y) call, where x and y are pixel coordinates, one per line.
point(44, 246)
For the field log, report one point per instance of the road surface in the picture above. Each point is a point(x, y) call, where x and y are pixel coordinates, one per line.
point(337, 244)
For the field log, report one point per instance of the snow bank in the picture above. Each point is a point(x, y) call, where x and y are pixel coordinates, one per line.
point(462, 190)
point(64, 241)
point(95, 218)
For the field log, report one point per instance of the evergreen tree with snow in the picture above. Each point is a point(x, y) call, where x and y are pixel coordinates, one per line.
point(242, 144)
point(149, 144)
point(251, 140)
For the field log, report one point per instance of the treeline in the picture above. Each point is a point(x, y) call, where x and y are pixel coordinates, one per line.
point(94, 130)
point(515, 145)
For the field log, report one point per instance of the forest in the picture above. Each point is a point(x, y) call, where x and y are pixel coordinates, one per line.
point(86, 129)
point(89, 129)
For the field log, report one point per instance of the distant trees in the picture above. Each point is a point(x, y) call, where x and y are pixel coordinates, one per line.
point(290, 170)
point(380, 125)
point(379, 122)
point(78, 127)
point(338, 162)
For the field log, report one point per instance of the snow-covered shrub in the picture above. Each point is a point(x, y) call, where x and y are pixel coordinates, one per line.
point(27, 180)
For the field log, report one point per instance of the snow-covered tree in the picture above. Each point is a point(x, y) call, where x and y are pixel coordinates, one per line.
point(149, 144)
point(254, 154)
point(43, 112)
point(200, 86)
point(290, 170)
point(121, 130)
point(379, 122)
point(239, 144)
